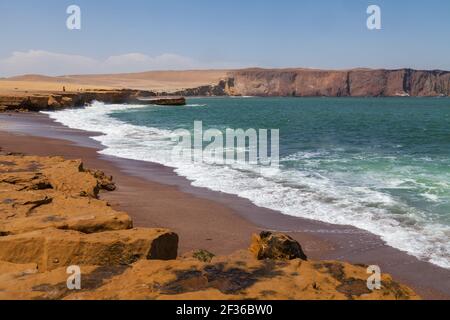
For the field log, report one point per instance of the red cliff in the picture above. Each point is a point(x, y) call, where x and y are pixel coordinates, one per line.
point(346, 83)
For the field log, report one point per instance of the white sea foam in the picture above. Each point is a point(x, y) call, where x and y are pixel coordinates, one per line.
point(292, 192)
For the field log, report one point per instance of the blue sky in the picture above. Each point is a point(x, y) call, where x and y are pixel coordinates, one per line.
point(138, 35)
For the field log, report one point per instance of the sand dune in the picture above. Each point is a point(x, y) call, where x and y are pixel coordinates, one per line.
point(153, 80)
point(18, 87)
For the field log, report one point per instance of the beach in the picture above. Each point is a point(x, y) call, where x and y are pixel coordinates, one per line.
point(154, 196)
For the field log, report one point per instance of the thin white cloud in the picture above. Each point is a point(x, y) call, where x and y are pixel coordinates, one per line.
point(50, 63)
point(44, 62)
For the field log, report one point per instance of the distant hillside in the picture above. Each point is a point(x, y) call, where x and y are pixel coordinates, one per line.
point(153, 80)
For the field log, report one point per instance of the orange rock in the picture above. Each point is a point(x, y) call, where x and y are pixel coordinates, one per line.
point(69, 177)
point(235, 277)
point(38, 193)
point(239, 277)
point(53, 248)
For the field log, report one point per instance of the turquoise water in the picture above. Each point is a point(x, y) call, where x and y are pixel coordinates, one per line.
point(381, 164)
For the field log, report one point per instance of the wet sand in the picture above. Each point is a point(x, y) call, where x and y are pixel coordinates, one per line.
point(154, 196)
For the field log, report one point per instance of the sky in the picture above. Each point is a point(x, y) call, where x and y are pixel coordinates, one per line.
point(139, 35)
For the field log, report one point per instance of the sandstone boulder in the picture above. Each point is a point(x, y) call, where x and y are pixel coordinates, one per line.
point(276, 246)
point(85, 215)
point(53, 248)
point(70, 178)
point(38, 193)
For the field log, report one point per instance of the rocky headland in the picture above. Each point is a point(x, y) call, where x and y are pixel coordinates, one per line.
point(52, 216)
point(327, 83)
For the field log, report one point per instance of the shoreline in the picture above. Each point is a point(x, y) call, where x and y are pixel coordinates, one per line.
point(154, 196)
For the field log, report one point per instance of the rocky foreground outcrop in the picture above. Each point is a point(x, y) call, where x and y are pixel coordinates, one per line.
point(51, 218)
point(59, 100)
point(328, 83)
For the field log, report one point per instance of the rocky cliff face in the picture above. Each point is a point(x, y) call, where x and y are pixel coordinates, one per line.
point(223, 88)
point(318, 83)
point(352, 83)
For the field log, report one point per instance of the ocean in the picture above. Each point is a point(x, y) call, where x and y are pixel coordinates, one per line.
point(379, 164)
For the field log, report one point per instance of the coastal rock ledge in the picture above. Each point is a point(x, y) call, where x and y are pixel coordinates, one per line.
point(60, 100)
point(52, 217)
